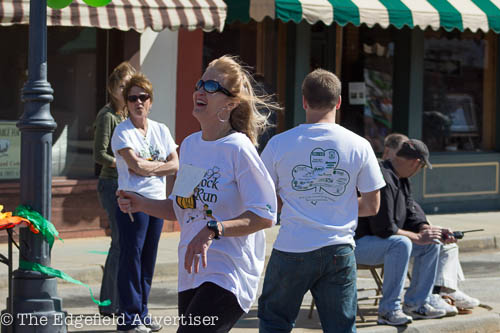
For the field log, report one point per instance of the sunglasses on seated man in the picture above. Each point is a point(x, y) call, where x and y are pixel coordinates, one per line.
point(141, 97)
point(211, 87)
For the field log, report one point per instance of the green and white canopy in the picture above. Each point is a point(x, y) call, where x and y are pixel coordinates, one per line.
point(448, 14)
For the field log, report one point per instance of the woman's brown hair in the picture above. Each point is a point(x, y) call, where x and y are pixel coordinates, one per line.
point(115, 79)
point(137, 80)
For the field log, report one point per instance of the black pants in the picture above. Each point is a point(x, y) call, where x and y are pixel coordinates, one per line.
point(208, 308)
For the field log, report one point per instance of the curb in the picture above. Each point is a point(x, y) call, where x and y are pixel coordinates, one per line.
point(478, 243)
point(488, 322)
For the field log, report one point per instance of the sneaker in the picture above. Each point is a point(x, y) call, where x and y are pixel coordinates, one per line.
point(462, 300)
point(437, 302)
point(425, 311)
point(394, 318)
point(137, 329)
point(151, 323)
point(154, 326)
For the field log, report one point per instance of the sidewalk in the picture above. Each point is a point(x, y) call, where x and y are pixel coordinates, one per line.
point(83, 259)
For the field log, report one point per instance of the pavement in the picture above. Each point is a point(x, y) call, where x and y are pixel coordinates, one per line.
point(83, 259)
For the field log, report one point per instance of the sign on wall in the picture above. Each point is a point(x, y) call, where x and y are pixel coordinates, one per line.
point(357, 93)
point(10, 150)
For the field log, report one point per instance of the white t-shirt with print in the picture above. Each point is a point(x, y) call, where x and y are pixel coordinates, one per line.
point(235, 181)
point(316, 169)
point(155, 146)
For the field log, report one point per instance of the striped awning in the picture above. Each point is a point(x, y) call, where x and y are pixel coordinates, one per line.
point(126, 14)
point(448, 14)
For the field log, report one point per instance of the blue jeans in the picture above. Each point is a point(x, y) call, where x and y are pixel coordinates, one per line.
point(395, 252)
point(138, 249)
point(106, 188)
point(330, 274)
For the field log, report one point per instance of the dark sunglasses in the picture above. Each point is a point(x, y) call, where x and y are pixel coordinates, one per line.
point(211, 87)
point(141, 97)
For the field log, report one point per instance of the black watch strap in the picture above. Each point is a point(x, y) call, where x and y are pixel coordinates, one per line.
point(212, 226)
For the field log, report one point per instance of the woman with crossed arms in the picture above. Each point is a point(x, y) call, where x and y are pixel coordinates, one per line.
point(145, 154)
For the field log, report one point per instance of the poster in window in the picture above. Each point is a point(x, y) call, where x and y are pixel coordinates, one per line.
point(460, 109)
point(357, 93)
point(10, 150)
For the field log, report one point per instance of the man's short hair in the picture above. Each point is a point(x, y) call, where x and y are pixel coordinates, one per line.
point(395, 141)
point(321, 89)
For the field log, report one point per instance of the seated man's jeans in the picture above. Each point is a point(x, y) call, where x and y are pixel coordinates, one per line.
point(394, 252)
point(330, 274)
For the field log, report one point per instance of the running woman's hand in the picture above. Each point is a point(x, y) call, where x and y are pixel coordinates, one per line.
point(197, 248)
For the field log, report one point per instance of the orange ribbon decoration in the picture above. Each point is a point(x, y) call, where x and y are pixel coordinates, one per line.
point(8, 221)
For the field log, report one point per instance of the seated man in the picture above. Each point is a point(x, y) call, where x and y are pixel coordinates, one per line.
point(397, 233)
point(449, 270)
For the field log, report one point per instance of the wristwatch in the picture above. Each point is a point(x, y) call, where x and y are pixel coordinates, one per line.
point(212, 226)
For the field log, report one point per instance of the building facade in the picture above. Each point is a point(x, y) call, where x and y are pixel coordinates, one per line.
point(84, 45)
point(427, 69)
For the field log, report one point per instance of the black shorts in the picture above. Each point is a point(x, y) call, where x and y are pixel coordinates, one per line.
point(208, 308)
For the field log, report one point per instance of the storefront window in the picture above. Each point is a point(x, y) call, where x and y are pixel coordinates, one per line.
point(72, 74)
point(378, 93)
point(367, 75)
point(454, 67)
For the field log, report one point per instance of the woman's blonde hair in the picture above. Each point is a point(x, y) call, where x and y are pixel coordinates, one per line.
point(119, 74)
point(245, 118)
point(137, 80)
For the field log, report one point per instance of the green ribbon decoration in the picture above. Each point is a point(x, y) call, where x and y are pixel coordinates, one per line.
point(33, 266)
point(47, 229)
point(49, 232)
point(60, 4)
point(99, 252)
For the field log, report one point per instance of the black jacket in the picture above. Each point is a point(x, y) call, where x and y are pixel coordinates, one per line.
point(397, 208)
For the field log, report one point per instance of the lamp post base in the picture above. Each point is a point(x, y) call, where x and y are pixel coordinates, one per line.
point(36, 308)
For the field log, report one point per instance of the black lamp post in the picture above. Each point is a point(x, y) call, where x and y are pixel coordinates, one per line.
point(35, 306)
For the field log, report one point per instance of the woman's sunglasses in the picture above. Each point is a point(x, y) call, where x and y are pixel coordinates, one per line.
point(211, 87)
point(141, 97)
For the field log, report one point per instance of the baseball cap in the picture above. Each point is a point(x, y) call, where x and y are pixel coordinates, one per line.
point(414, 148)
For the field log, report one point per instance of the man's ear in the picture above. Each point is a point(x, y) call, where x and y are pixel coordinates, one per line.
point(386, 153)
point(304, 103)
point(337, 107)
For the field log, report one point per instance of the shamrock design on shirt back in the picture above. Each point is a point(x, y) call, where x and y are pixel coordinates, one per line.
point(322, 175)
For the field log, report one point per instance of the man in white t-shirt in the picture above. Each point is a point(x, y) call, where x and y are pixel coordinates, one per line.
point(317, 168)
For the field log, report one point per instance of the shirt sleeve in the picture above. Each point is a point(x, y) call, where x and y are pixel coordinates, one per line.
point(102, 140)
point(370, 177)
point(120, 140)
point(267, 157)
point(383, 224)
point(254, 183)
